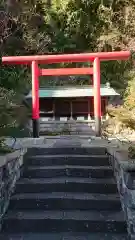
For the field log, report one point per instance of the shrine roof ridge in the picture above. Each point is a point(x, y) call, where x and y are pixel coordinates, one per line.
point(84, 86)
point(72, 91)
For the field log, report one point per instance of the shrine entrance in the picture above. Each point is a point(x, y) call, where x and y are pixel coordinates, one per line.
point(94, 58)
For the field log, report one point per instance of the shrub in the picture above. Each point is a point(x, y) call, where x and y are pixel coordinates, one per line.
point(10, 109)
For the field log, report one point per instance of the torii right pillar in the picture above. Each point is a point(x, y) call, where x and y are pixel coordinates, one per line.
point(97, 96)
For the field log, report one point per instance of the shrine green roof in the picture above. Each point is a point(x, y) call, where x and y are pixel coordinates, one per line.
point(72, 91)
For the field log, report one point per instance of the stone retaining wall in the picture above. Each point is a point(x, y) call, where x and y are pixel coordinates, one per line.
point(123, 168)
point(69, 127)
point(11, 167)
point(10, 171)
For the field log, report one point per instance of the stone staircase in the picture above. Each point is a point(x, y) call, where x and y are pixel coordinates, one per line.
point(65, 194)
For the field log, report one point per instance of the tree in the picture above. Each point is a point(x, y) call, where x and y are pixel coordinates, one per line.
point(59, 26)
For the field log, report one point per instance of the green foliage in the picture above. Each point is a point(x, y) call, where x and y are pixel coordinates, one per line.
point(12, 114)
point(43, 26)
point(15, 78)
point(8, 109)
point(129, 100)
point(131, 151)
point(121, 117)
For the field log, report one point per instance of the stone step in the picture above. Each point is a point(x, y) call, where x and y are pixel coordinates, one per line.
point(68, 201)
point(65, 193)
point(80, 221)
point(68, 150)
point(68, 170)
point(66, 184)
point(64, 236)
point(82, 160)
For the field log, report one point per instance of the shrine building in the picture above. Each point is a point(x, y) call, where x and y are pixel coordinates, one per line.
point(63, 103)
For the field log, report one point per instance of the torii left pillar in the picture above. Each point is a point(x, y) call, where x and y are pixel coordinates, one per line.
point(97, 96)
point(35, 98)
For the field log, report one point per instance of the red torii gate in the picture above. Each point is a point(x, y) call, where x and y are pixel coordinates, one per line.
point(48, 59)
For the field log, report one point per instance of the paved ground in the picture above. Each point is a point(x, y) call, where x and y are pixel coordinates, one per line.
point(62, 141)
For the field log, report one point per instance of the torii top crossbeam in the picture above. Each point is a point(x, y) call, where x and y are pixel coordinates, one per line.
point(82, 57)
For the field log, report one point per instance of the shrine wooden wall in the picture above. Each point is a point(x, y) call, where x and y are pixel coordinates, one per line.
point(67, 107)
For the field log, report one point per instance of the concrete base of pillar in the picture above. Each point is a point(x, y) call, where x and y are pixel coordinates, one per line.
point(98, 126)
point(35, 128)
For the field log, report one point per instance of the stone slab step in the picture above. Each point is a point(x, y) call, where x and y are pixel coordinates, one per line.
point(80, 221)
point(68, 170)
point(69, 149)
point(64, 236)
point(82, 160)
point(66, 184)
point(68, 201)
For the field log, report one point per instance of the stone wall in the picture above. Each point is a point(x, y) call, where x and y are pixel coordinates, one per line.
point(124, 169)
point(11, 167)
point(64, 127)
point(10, 171)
